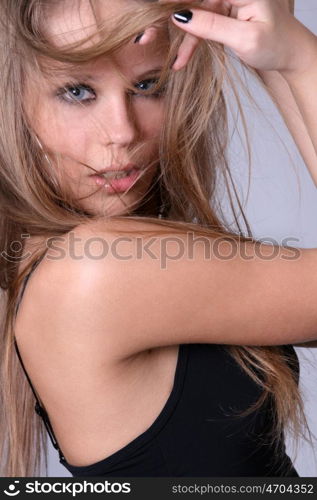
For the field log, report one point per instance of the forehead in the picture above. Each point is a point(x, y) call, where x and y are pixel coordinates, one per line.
point(69, 21)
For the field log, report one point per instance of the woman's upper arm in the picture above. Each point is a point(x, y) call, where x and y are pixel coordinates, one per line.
point(136, 297)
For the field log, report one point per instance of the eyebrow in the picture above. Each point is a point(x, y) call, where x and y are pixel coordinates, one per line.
point(149, 72)
point(78, 75)
point(75, 74)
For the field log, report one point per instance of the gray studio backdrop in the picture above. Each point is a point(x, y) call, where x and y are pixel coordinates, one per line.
point(282, 202)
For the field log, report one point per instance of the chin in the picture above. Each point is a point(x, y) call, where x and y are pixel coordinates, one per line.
point(114, 205)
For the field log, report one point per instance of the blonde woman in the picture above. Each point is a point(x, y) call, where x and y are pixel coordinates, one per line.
point(146, 350)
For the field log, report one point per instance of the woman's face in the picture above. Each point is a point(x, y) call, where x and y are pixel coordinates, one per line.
point(96, 121)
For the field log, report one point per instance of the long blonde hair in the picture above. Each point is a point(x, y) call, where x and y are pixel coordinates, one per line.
point(193, 149)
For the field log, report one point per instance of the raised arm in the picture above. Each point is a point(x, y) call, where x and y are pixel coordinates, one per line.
point(293, 100)
point(265, 35)
point(284, 99)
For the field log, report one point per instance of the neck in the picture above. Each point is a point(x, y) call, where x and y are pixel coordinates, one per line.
point(151, 206)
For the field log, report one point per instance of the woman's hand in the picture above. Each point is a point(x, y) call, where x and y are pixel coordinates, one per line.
point(262, 33)
point(265, 35)
point(191, 42)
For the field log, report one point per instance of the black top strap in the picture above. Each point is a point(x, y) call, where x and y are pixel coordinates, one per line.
point(40, 410)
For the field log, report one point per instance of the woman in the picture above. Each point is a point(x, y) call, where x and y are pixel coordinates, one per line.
point(132, 370)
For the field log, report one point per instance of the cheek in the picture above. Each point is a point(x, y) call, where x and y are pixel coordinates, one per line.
point(59, 133)
point(68, 138)
point(150, 115)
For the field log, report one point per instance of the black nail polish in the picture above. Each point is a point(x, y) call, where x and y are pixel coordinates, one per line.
point(183, 16)
point(138, 38)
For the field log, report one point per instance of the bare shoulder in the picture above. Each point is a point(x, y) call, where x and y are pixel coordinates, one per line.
point(102, 289)
point(77, 287)
point(58, 308)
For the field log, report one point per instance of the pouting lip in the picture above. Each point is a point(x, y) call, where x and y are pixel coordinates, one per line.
point(114, 168)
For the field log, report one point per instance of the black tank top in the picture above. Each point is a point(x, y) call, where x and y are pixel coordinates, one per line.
point(197, 433)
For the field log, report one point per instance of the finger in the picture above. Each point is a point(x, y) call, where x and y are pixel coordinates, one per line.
point(191, 42)
point(212, 26)
point(149, 35)
point(185, 51)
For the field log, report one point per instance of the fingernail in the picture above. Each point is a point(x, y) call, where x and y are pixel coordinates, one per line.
point(138, 38)
point(183, 16)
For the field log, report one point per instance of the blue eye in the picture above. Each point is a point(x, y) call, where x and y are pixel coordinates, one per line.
point(76, 93)
point(146, 85)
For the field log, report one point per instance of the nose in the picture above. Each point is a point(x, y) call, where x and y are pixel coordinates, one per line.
point(119, 122)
